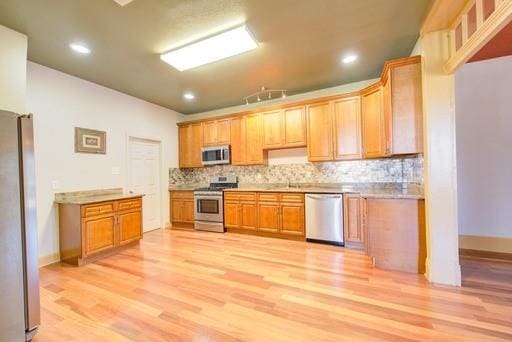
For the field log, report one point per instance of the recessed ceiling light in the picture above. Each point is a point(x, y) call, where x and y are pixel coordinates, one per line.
point(349, 59)
point(189, 96)
point(223, 45)
point(80, 48)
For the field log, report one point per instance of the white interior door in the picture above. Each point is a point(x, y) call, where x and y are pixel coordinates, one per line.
point(144, 178)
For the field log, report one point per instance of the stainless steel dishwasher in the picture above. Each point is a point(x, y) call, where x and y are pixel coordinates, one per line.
point(324, 218)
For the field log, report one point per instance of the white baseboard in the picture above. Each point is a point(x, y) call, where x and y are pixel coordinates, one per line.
point(486, 243)
point(49, 259)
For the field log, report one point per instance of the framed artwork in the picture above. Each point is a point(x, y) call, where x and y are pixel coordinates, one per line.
point(90, 141)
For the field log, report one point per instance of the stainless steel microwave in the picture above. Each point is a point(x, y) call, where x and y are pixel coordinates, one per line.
point(215, 155)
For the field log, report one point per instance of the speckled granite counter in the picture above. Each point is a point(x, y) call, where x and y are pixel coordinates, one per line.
point(186, 187)
point(93, 196)
point(373, 190)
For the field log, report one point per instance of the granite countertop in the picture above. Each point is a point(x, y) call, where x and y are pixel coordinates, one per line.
point(187, 187)
point(370, 190)
point(93, 196)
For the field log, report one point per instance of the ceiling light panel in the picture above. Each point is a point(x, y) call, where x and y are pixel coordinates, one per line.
point(80, 48)
point(123, 2)
point(224, 45)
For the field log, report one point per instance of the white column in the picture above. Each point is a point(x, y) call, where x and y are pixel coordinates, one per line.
point(13, 70)
point(440, 161)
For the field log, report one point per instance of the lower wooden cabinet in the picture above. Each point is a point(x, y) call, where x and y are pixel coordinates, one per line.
point(353, 221)
point(89, 231)
point(396, 233)
point(182, 209)
point(264, 213)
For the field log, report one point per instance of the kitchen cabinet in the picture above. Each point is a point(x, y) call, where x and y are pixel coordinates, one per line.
point(265, 213)
point(347, 128)
point(247, 140)
point(334, 130)
point(182, 209)
point(284, 128)
point(375, 141)
point(392, 111)
point(190, 143)
point(90, 231)
point(216, 132)
point(240, 210)
point(396, 233)
point(319, 123)
point(353, 221)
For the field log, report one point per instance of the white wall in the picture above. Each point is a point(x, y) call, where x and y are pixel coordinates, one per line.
point(484, 123)
point(60, 103)
point(13, 70)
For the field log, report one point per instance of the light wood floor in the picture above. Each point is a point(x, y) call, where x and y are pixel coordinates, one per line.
point(220, 287)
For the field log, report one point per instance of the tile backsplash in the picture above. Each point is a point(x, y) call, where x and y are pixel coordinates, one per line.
point(389, 170)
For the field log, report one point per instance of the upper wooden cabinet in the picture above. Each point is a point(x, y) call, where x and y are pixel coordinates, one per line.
point(375, 141)
point(347, 128)
point(381, 120)
point(334, 130)
point(392, 111)
point(247, 140)
point(216, 132)
point(284, 128)
point(190, 143)
point(319, 119)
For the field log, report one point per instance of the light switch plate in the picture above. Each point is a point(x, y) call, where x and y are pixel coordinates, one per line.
point(116, 170)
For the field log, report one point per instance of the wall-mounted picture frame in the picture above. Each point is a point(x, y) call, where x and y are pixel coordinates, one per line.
point(90, 141)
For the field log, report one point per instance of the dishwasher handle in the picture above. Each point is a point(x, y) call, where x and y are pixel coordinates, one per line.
point(323, 197)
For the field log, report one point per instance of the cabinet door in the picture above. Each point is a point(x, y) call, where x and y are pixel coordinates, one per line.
point(223, 132)
point(249, 215)
point(130, 226)
point(237, 141)
point(319, 132)
point(292, 219)
point(373, 124)
point(176, 210)
point(231, 214)
point(253, 139)
point(268, 214)
point(196, 142)
point(353, 225)
point(209, 133)
point(187, 214)
point(294, 127)
point(273, 129)
point(99, 234)
point(347, 128)
point(184, 145)
point(407, 110)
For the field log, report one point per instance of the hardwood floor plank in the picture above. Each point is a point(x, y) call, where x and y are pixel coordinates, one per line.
point(187, 285)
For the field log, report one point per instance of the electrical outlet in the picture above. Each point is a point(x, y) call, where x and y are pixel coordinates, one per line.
point(55, 185)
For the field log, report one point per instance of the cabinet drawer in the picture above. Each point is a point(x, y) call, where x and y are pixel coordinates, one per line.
point(240, 196)
point(132, 203)
point(268, 197)
point(97, 209)
point(292, 197)
point(182, 195)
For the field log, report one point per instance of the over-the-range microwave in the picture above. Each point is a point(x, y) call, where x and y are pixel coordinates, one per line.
point(215, 155)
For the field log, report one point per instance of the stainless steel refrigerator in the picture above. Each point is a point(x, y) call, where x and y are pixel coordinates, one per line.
point(19, 273)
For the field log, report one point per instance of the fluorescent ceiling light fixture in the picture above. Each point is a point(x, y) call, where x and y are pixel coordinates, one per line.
point(189, 96)
point(223, 45)
point(80, 48)
point(349, 59)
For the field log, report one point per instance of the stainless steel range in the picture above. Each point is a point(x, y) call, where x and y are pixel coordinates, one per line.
point(209, 204)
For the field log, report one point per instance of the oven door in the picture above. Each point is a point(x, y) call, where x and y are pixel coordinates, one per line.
point(208, 208)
